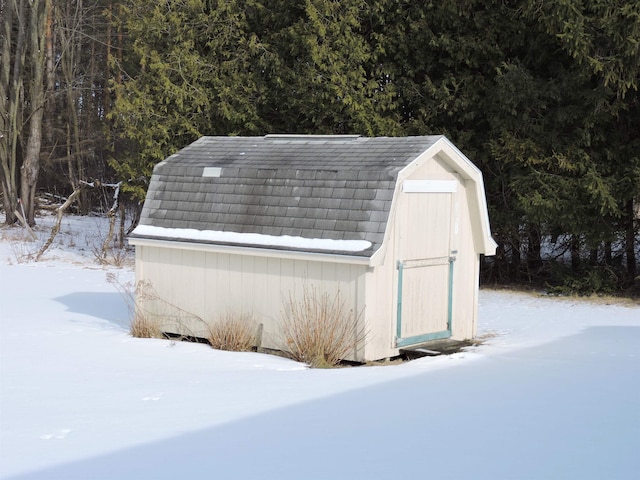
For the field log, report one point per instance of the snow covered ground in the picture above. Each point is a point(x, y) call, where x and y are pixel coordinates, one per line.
point(553, 393)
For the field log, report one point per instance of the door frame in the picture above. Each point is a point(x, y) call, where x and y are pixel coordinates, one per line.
point(424, 263)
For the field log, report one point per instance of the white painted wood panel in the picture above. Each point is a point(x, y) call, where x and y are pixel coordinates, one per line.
point(425, 225)
point(425, 300)
point(429, 186)
point(194, 285)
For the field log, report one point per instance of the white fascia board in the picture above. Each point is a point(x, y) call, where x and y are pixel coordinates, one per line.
point(478, 197)
point(252, 251)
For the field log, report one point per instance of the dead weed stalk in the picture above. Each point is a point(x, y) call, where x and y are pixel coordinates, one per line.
point(146, 323)
point(318, 329)
point(237, 332)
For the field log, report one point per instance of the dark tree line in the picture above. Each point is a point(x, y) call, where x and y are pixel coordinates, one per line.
point(543, 96)
point(55, 95)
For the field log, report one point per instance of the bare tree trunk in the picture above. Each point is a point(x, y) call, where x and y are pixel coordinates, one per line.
point(106, 98)
point(5, 77)
point(575, 253)
point(630, 241)
point(50, 81)
point(111, 214)
point(608, 253)
point(122, 224)
point(31, 163)
point(11, 83)
point(71, 20)
point(516, 260)
point(59, 214)
point(534, 251)
point(25, 224)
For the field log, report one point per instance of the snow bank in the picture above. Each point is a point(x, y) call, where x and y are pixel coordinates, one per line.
point(553, 393)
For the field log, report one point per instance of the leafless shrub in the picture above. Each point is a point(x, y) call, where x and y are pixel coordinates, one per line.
point(117, 256)
point(144, 327)
point(107, 251)
point(142, 324)
point(23, 247)
point(237, 332)
point(164, 317)
point(23, 250)
point(319, 329)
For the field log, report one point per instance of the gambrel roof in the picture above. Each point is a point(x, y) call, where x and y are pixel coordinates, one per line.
point(329, 194)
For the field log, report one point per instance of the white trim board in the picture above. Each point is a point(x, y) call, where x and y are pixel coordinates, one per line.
point(430, 186)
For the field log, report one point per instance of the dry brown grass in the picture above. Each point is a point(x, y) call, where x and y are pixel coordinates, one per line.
point(142, 324)
point(318, 329)
point(23, 247)
point(237, 332)
point(597, 299)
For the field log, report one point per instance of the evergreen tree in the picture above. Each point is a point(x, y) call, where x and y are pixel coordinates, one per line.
point(602, 38)
point(189, 71)
point(320, 75)
point(541, 95)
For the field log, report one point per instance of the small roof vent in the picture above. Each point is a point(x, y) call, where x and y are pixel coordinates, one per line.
point(211, 172)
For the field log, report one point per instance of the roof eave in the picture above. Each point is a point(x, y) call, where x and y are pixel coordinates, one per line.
point(318, 256)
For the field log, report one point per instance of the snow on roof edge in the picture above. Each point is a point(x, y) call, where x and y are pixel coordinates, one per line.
point(323, 244)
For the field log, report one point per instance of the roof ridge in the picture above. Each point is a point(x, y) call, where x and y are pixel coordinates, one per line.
point(295, 136)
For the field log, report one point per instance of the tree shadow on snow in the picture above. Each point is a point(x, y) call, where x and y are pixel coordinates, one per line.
point(109, 306)
point(567, 409)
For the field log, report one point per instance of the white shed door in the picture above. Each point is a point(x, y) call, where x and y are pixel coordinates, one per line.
point(424, 268)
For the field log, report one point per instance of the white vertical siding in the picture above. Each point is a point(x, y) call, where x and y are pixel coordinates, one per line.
point(380, 307)
point(466, 273)
point(205, 285)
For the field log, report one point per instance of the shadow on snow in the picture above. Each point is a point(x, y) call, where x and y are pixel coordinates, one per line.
point(567, 409)
point(109, 306)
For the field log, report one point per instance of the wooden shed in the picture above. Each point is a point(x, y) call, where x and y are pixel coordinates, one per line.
point(397, 225)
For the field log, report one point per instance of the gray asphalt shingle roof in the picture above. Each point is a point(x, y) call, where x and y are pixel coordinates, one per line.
point(335, 187)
